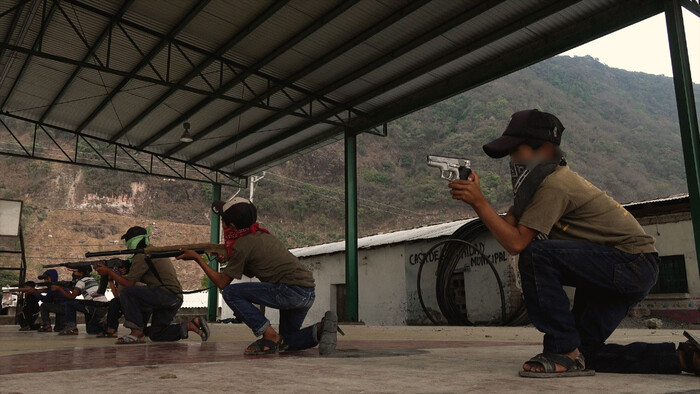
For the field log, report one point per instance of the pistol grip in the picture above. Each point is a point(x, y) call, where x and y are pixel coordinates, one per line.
point(464, 172)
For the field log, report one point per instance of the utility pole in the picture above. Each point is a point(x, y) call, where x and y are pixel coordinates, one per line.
point(253, 180)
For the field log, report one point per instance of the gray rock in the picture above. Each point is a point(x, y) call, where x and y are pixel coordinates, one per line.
point(653, 323)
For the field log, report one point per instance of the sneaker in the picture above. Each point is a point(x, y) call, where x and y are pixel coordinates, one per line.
point(45, 329)
point(329, 334)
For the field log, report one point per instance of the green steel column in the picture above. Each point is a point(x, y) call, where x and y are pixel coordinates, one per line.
point(687, 115)
point(351, 293)
point(213, 302)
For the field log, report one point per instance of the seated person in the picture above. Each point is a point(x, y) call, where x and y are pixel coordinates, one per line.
point(30, 309)
point(52, 302)
point(284, 284)
point(161, 296)
point(86, 285)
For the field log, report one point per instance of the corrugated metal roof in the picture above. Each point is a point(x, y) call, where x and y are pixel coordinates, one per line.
point(148, 73)
point(675, 197)
point(416, 234)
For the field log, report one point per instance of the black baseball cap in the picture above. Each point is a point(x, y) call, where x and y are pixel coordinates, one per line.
point(238, 210)
point(526, 126)
point(133, 232)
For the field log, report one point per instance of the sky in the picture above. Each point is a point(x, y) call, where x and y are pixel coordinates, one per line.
point(644, 47)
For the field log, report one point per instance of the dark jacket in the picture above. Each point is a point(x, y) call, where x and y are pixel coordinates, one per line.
point(54, 296)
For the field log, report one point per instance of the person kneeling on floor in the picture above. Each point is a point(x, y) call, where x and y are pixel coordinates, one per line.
point(29, 312)
point(86, 285)
point(570, 233)
point(161, 296)
point(53, 301)
point(284, 284)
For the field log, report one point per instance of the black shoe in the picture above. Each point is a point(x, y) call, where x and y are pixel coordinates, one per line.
point(329, 334)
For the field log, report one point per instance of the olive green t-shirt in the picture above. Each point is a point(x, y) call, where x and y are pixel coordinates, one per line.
point(263, 256)
point(566, 206)
point(139, 272)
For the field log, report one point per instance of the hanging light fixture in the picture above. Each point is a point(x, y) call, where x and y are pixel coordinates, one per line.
point(186, 137)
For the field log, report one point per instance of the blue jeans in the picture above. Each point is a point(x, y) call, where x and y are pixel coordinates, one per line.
point(93, 316)
point(608, 283)
point(139, 301)
point(292, 301)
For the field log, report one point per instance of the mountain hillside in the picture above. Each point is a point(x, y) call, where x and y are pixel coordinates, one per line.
point(621, 133)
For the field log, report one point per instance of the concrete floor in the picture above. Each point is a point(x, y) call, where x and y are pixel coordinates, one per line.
point(369, 359)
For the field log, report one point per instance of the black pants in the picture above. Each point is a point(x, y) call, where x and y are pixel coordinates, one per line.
point(25, 320)
point(29, 313)
point(114, 312)
point(608, 282)
point(137, 301)
point(58, 309)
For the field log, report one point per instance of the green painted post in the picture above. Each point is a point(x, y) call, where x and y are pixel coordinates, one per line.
point(351, 293)
point(213, 302)
point(687, 115)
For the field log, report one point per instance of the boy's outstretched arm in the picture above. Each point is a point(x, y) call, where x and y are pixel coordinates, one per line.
point(71, 296)
point(514, 238)
point(219, 279)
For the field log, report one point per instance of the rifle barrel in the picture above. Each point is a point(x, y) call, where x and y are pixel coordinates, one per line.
point(113, 252)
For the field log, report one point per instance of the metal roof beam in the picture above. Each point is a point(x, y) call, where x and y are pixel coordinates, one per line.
point(240, 35)
point(46, 20)
point(594, 27)
point(284, 47)
point(183, 44)
point(692, 6)
point(373, 65)
point(191, 14)
point(313, 66)
point(91, 51)
point(412, 44)
point(16, 7)
point(156, 81)
point(107, 156)
point(10, 30)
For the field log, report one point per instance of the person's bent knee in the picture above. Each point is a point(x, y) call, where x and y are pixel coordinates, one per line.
point(231, 292)
point(126, 291)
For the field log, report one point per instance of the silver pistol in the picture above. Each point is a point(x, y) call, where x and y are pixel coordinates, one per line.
point(450, 168)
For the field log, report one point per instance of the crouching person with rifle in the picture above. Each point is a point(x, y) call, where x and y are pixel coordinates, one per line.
point(161, 296)
point(284, 284)
point(86, 285)
point(53, 301)
point(114, 308)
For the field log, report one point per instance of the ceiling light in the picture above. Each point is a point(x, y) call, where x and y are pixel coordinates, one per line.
point(186, 137)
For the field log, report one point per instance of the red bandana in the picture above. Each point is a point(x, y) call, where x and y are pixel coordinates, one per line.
point(231, 236)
